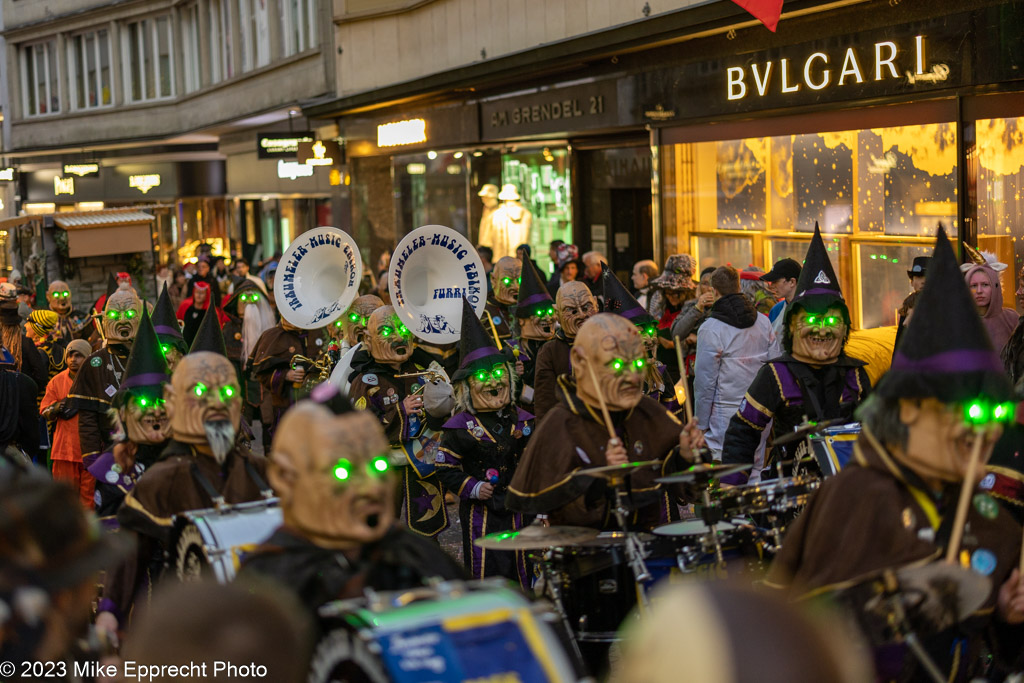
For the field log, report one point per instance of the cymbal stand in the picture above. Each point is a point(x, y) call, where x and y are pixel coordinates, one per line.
point(634, 549)
point(712, 522)
point(892, 599)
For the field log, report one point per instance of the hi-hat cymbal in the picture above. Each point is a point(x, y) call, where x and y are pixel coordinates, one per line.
point(535, 537)
point(609, 471)
point(702, 472)
point(804, 431)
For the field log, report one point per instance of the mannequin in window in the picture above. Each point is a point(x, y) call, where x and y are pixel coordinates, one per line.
point(489, 196)
point(510, 222)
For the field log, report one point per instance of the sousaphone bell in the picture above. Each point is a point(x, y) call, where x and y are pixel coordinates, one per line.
point(318, 276)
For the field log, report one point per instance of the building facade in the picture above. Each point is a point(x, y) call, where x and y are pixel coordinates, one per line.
point(645, 129)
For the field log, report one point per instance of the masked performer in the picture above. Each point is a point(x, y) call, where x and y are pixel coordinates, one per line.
point(813, 378)
point(100, 377)
point(535, 317)
point(249, 316)
point(410, 419)
point(27, 358)
point(946, 390)
point(607, 349)
point(574, 304)
point(168, 331)
point(657, 381)
point(192, 310)
point(41, 329)
point(70, 323)
point(480, 448)
point(505, 278)
point(335, 487)
point(271, 363)
point(353, 323)
point(142, 425)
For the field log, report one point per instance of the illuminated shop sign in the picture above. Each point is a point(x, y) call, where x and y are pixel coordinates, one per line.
point(321, 153)
point(280, 144)
point(82, 170)
point(7, 174)
point(144, 183)
point(293, 169)
point(408, 132)
point(885, 60)
point(63, 185)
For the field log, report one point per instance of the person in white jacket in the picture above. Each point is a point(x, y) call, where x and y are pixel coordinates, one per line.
point(732, 344)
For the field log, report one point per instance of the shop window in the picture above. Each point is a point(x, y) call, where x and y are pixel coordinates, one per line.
point(89, 65)
point(431, 189)
point(40, 89)
point(190, 56)
point(1000, 185)
point(149, 66)
point(298, 25)
point(542, 180)
point(254, 22)
point(221, 66)
point(714, 251)
point(797, 249)
point(884, 281)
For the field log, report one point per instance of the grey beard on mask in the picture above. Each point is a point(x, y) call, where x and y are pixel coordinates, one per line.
point(220, 434)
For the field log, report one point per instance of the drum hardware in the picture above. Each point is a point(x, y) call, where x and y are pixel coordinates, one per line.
point(702, 473)
point(804, 430)
point(536, 537)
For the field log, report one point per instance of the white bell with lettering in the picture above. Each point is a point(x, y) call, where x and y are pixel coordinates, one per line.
point(432, 269)
point(318, 277)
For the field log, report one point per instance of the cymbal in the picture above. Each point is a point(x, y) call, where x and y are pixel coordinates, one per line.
point(608, 471)
point(535, 537)
point(804, 431)
point(972, 589)
point(702, 472)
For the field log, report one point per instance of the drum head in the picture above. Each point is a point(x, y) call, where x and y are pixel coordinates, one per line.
point(318, 277)
point(432, 269)
point(691, 527)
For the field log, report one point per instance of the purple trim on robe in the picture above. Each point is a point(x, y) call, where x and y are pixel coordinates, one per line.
point(790, 387)
point(634, 312)
point(467, 487)
point(459, 420)
point(476, 530)
point(277, 381)
point(960, 360)
point(754, 416)
point(850, 390)
point(146, 379)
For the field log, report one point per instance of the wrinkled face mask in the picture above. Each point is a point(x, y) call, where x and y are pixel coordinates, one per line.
point(505, 280)
point(539, 325)
point(145, 420)
point(353, 323)
point(58, 295)
point(649, 336)
point(390, 341)
point(333, 477)
point(609, 345)
point(204, 402)
point(817, 337)
point(121, 315)
point(248, 298)
point(574, 304)
point(490, 390)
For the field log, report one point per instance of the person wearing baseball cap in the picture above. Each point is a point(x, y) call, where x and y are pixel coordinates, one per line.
point(781, 280)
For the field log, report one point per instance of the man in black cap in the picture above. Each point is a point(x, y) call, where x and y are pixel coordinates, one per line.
point(918, 271)
point(813, 378)
point(480, 447)
point(782, 279)
point(894, 504)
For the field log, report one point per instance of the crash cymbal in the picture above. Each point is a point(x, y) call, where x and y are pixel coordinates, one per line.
point(535, 537)
point(609, 471)
point(804, 431)
point(937, 579)
point(702, 472)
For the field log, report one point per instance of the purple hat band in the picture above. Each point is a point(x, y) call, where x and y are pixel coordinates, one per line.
point(821, 290)
point(146, 379)
point(961, 360)
point(633, 312)
point(167, 329)
point(534, 299)
point(477, 354)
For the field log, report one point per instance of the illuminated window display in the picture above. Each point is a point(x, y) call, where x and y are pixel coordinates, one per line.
point(877, 194)
point(542, 179)
point(1000, 178)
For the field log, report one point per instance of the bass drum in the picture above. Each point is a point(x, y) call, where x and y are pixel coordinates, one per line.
point(833, 447)
point(455, 631)
point(213, 542)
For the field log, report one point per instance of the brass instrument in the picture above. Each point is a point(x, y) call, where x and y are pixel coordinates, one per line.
point(434, 373)
point(323, 365)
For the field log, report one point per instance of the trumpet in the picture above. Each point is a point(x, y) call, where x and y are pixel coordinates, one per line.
point(435, 373)
point(323, 365)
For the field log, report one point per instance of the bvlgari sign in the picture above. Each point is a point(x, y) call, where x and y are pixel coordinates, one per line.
point(820, 71)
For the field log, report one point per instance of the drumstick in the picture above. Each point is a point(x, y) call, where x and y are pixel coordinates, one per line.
point(684, 380)
point(604, 408)
point(966, 489)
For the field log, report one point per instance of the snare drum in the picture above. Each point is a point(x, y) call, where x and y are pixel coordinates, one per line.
point(833, 448)
point(742, 550)
point(213, 542)
point(775, 495)
point(456, 631)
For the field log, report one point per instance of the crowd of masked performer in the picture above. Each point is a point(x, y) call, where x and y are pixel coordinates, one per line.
point(140, 412)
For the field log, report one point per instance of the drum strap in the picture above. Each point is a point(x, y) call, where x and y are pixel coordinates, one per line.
point(218, 500)
point(265, 490)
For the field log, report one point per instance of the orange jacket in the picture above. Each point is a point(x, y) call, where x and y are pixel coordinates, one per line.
point(66, 445)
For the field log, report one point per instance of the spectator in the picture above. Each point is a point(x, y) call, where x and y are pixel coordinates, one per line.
point(732, 345)
point(56, 408)
point(689, 320)
point(782, 279)
point(525, 253)
point(593, 262)
point(19, 419)
point(987, 291)
point(643, 272)
point(178, 289)
point(553, 257)
point(486, 255)
point(567, 267)
point(918, 272)
point(27, 358)
point(204, 274)
point(383, 264)
point(673, 288)
point(758, 292)
point(904, 314)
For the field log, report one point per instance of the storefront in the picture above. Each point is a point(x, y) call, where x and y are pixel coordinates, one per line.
point(878, 136)
point(189, 196)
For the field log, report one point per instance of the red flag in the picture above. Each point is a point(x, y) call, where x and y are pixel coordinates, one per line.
point(765, 11)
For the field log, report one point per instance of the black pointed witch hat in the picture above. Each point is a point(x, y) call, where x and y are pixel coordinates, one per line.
point(617, 299)
point(145, 372)
point(112, 284)
point(818, 285)
point(945, 352)
point(165, 322)
point(533, 293)
point(209, 336)
point(476, 345)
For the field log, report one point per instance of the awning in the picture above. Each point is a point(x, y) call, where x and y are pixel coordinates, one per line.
point(100, 219)
point(98, 233)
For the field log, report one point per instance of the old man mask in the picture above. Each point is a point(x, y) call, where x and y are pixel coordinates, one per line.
point(818, 336)
point(121, 315)
point(505, 279)
point(204, 403)
point(353, 323)
point(58, 295)
point(575, 304)
point(610, 346)
point(390, 341)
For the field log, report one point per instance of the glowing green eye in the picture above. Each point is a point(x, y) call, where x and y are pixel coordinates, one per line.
point(497, 372)
point(113, 315)
point(255, 296)
point(337, 323)
point(164, 348)
point(354, 317)
point(639, 363)
point(64, 294)
point(342, 470)
point(481, 376)
point(650, 330)
point(199, 390)
point(142, 401)
point(1000, 412)
point(831, 320)
point(519, 280)
point(403, 330)
point(227, 392)
point(812, 320)
point(618, 364)
point(386, 331)
point(550, 311)
point(975, 411)
point(378, 465)
point(506, 281)
point(129, 314)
